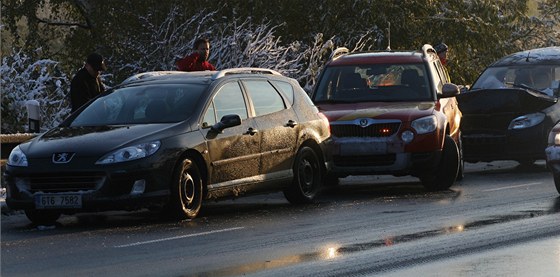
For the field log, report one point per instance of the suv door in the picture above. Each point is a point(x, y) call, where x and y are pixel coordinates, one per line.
point(235, 152)
point(277, 126)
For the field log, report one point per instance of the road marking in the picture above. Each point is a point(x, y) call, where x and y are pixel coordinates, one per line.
point(512, 187)
point(178, 237)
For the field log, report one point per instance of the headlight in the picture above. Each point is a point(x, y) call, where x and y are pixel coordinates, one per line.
point(526, 121)
point(17, 158)
point(130, 153)
point(425, 124)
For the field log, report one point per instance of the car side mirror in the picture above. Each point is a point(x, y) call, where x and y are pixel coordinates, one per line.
point(227, 121)
point(450, 90)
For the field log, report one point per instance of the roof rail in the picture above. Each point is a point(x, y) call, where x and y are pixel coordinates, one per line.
point(426, 48)
point(244, 70)
point(339, 52)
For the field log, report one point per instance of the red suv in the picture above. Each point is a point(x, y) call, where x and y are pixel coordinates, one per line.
point(391, 112)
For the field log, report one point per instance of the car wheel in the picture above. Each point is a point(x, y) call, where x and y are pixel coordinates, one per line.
point(557, 182)
point(186, 190)
point(446, 173)
point(461, 173)
point(307, 177)
point(42, 217)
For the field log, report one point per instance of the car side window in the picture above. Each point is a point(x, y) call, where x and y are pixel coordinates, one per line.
point(228, 100)
point(264, 97)
point(287, 89)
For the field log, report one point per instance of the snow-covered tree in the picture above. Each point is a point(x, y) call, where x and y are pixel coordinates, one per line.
point(23, 79)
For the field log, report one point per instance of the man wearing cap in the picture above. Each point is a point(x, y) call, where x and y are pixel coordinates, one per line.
point(87, 84)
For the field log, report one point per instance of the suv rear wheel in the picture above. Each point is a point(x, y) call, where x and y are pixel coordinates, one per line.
point(446, 173)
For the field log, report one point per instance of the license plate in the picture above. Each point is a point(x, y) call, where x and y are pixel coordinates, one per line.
point(58, 201)
point(369, 148)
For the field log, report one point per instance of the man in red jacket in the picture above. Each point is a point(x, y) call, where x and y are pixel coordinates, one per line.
point(197, 61)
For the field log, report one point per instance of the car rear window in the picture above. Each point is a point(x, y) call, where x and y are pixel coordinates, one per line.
point(379, 82)
point(146, 104)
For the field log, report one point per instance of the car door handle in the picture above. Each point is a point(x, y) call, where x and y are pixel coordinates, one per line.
point(291, 123)
point(251, 131)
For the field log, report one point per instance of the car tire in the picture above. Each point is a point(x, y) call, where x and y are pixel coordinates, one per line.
point(307, 178)
point(461, 173)
point(557, 182)
point(446, 173)
point(186, 190)
point(42, 217)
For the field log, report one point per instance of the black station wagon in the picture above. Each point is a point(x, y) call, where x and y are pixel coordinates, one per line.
point(172, 140)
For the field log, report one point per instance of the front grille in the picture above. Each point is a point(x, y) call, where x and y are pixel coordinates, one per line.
point(373, 130)
point(371, 160)
point(486, 122)
point(65, 182)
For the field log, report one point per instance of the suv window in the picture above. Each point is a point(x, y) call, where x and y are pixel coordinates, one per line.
point(228, 100)
point(376, 82)
point(264, 97)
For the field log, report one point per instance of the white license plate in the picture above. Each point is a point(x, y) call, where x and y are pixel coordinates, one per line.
point(58, 201)
point(369, 148)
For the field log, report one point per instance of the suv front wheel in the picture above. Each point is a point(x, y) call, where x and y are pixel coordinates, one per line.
point(446, 173)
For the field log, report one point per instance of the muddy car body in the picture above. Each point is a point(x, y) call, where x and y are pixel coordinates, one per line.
point(391, 112)
point(511, 108)
point(171, 140)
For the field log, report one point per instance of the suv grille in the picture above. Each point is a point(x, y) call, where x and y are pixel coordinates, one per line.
point(373, 130)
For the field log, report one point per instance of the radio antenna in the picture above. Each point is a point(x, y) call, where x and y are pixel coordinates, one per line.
point(389, 37)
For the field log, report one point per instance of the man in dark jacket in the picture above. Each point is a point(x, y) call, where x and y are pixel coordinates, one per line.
point(197, 61)
point(87, 84)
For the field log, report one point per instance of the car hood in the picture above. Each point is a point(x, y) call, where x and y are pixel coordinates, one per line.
point(505, 100)
point(91, 141)
point(404, 111)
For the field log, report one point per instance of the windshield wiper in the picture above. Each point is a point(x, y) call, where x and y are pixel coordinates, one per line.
point(526, 87)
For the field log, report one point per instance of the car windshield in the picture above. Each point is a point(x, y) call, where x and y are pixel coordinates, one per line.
point(379, 83)
point(543, 78)
point(145, 104)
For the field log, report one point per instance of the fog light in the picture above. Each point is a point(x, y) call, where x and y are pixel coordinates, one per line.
point(407, 136)
point(138, 187)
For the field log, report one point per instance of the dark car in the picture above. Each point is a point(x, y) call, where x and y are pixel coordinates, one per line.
point(511, 108)
point(171, 140)
point(391, 112)
point(553, 155)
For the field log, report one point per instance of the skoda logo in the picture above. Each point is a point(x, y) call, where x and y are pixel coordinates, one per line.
point(62, 158)
point(363, 122)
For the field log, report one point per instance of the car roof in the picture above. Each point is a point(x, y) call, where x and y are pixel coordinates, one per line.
point(341, 56)
point(546, 55)
point(378, 58)
point(202, 77)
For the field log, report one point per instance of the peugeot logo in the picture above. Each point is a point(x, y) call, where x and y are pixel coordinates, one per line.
point(62, 158)
point(363, 122)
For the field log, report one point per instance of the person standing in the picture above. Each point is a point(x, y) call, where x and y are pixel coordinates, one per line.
point(197, 61)
point(442, 50)
point(87, 84)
